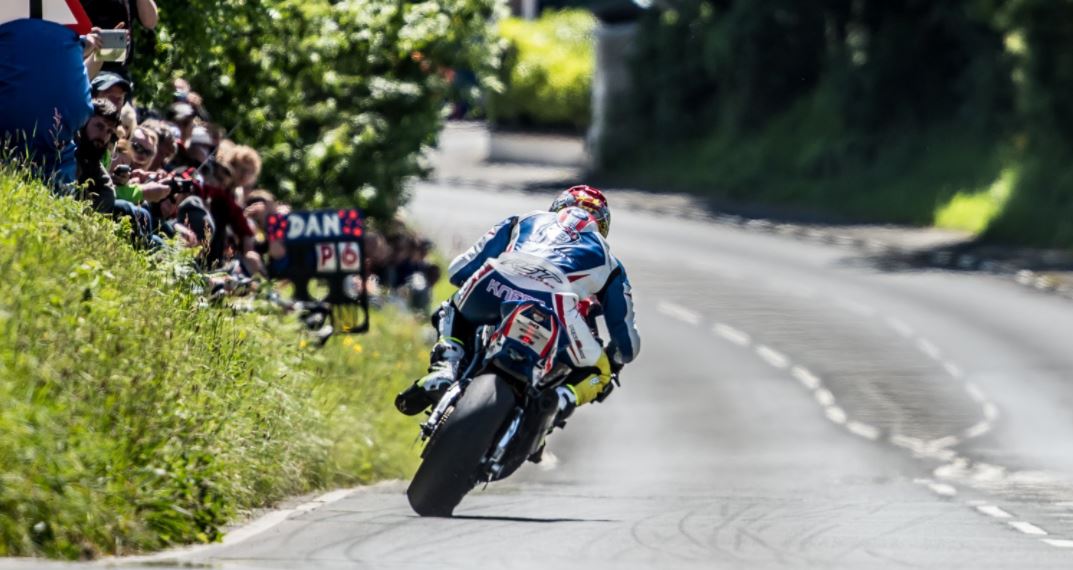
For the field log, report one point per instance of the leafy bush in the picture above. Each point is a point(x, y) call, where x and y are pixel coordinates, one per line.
point(547, 71)
point(135, 416)
point(341, 96)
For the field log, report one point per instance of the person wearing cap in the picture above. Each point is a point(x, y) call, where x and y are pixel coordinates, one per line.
point(182, 115)
point(111, 86)
point(196, 149)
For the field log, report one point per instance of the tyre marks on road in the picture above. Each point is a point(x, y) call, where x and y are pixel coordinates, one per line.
point(938, 448)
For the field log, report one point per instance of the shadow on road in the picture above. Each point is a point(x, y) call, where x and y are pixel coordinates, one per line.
point(526, 519)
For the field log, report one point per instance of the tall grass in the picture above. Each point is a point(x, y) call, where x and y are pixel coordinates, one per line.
point(134, 416)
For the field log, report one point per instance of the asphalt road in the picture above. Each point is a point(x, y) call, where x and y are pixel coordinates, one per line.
point(794, 405)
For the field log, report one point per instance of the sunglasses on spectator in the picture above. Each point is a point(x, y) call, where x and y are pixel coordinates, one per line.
point(140, 149)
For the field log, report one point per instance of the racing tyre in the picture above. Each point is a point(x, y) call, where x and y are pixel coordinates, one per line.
point(452, 458)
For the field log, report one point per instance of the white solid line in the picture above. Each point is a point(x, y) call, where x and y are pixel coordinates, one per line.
point(990, 411)
point(929, 348)
point(679, 312)
point(772, 356)
point(978, 430)
point(953, 370)
point(900, 327)
point(807, 378)
point(993, 511)
point(329, 497)
point(256, 527)
point(864, 430)
point(975, 391)
point(824, 397)
point(836, 414)
point(1027, 528)
point(1058, 542)
point(732, 334)
point(942, 489)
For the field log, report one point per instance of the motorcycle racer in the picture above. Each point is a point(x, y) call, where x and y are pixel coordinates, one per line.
point(531, 257)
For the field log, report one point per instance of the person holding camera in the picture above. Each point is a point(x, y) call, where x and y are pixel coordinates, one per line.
point(116, 18)
point(182, 212)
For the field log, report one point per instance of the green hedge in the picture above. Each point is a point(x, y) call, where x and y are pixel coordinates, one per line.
point(341, 96)
point(136, 416)
point(547, 71)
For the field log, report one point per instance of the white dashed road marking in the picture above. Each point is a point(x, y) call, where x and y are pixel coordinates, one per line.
point(773, 357)
point(938, 448)
point(993, 511)
point(929, 348)
point(679, 312)
point(864, 430)
point(1058, 542)
point(900, 327)
point(808, 379)
point(857, 308)
point(732, 334)
point(1027, 528)
point(836, 415)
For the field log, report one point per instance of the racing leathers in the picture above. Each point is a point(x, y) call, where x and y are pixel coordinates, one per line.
point(532, 257)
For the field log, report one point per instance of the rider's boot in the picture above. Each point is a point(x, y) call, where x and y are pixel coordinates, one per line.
point(567, 405)
point(568, 402)
point(443, 371)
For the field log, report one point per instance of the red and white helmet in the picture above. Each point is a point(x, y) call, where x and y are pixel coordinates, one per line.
point(589, 199)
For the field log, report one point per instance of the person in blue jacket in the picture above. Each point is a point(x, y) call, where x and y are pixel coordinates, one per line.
point(44, 95)
point(531, 257)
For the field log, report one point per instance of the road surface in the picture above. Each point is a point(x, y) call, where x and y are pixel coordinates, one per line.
point(794, 405)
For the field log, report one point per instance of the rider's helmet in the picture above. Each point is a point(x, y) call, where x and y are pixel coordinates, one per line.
point(589, 199)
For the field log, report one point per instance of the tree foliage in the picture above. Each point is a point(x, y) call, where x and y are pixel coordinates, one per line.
point(340, 96)
point(737, 64)
point(547, 70)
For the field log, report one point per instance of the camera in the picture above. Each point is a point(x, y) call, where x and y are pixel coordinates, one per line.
point(113, 45)
point(121, 173)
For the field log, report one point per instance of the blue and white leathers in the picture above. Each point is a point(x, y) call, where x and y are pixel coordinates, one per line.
point(536, 255)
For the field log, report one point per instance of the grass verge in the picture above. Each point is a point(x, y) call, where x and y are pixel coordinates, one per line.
point(135, 416)
point(946, 175)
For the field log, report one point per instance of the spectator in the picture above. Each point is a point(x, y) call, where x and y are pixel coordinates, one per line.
point(196, 150)
point(182, 213)
point(182, 115)
point(245, 164)
point(120, 15)
point(218, 190)
point(136, 186)
point(165, 147)
point(44, 94)
point(93, 141)
point(111, 86)
point(143, 145)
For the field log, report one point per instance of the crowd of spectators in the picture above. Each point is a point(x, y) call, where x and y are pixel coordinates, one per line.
point(172, 172)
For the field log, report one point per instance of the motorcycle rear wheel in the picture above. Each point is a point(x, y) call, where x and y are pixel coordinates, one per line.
point(449, 468)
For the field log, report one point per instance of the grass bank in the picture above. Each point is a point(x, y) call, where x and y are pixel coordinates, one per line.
point(135, 416)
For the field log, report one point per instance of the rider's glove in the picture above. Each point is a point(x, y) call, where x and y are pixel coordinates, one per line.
point(598, 385)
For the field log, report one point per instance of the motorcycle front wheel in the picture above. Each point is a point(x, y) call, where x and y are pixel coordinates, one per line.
point(452, 457)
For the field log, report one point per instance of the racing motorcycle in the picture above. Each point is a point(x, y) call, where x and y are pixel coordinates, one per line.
point(497, 415)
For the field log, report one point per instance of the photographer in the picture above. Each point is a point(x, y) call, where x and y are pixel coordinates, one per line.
point(119, 15)
point(182, 213)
